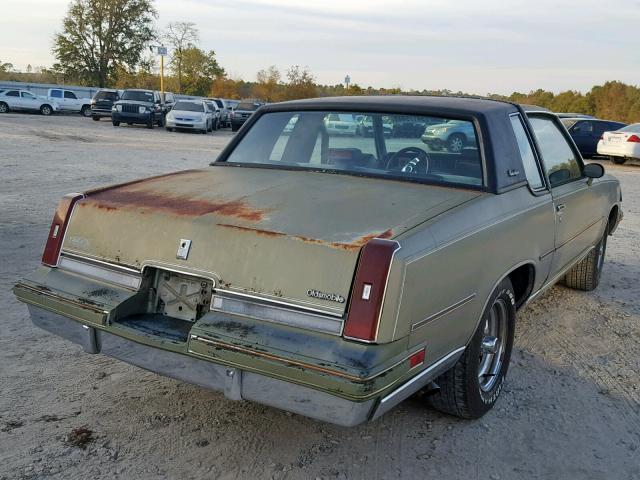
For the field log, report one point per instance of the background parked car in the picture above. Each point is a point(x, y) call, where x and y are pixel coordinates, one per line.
point(26, 101)
point(189, 115)
point(573, 115)
point(215, 114)
point(341, 124)
point(453, 135)
point(102, 103)
point(225, 111)
point(139, 106)
point(365, 126)
point(587, 132)
point(622, 144)
point(242, 112)
point(68, 101)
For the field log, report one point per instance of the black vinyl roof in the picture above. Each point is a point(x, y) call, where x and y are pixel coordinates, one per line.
point(503, 163)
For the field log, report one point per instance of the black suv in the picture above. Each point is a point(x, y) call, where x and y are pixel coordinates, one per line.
point(139, 106)
point(102, 103)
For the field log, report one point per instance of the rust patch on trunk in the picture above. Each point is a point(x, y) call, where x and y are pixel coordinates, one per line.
point(149, 201)
point(355, 245)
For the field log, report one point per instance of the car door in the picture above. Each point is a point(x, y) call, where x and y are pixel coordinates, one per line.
point(70, 101)
point(578, 221)
point(12, 98)
point(29, 101)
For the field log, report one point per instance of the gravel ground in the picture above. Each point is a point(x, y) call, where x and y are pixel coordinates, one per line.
point(570, 407)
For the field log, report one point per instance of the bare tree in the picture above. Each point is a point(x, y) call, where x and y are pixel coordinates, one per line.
point(180, 36)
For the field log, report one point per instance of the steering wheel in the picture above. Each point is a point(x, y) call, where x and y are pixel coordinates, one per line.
point(416, 156)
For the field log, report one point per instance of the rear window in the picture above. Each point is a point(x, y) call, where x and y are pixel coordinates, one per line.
point(444, 151)
point(248, 106)
point(633, 128)
point(189, 107)
point(113, 96)
point(138, 96)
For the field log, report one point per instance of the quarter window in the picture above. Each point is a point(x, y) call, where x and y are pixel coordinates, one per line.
point(12, 93)
point(559, 159)
point(56, 93)
point(526, 152)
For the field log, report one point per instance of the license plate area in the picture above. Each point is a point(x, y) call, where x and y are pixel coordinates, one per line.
point(180, 296)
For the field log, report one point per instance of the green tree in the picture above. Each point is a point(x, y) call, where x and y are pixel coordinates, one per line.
point(199, 69)
point(301, 83)
point(180, 36)
point(100, 35)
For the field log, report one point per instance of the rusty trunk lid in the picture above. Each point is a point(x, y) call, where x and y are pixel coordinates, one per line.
point(271, 233)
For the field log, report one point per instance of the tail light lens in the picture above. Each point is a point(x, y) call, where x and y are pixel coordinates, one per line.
point(634, 139)
point(368, 290)
point(58, 227)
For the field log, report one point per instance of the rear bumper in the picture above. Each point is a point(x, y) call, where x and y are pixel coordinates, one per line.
point(622, 149)
point(302, 371)
point(235, 383)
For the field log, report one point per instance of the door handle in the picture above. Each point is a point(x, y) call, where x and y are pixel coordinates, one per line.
point(560, 207)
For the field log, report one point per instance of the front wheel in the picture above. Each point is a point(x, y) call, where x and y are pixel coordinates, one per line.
point(46, 110)
point(455, 143)
point(4, 108)
point(618, 160)
point(585, 275)
point(473, 385)
point(115, 123)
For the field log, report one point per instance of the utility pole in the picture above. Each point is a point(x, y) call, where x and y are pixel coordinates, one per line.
point(162, 51)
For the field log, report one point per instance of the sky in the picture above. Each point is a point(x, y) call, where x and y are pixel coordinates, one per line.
point(480, 47)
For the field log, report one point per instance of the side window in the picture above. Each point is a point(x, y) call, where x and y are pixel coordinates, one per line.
point(68, 94)
point(12, 93)
point(56, 93)
point(28, 95)
point(526, 152)
point(560, 161)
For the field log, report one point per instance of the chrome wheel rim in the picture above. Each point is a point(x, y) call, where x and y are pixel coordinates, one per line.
point(3, 108)
point(46, 110)
point(456, 144)
point(492, 345)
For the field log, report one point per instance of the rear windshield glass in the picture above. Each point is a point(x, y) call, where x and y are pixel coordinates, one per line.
point(106, 96)
point(189, 107)
point(634, 128)
point(248, 106)
point(137, 96)
point(406, 147)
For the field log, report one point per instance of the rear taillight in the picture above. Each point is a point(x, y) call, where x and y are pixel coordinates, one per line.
point(634, 139)
point(368, 290)
point(58, 227)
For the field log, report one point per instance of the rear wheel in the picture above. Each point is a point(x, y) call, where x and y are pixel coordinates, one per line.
point(585, 275)
point(150, 124)
point(618, 160)
point(85, 111)
point(96, 118)
point(455, 143)
point(169, 129)
point(4, 108)
point(46, 110)
point(473, 385)
point(115, 123)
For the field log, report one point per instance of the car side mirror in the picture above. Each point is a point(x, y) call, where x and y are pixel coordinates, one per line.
point(593, 170)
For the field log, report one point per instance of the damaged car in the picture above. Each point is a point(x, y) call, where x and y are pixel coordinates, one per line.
point(328, 275)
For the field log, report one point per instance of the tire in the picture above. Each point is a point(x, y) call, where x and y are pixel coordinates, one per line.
point(585, 275)
point(487, 356)
point(161, 122)
point(95, 119)
point(618, 160)
point(115, 123)
point(4, 108)
point(46, 110)
point(85, 111)
point(150, 124)
point(234, 128)
point(169, 129)
point(455, 143)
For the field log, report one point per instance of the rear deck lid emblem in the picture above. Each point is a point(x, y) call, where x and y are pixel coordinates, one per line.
point(183, 248)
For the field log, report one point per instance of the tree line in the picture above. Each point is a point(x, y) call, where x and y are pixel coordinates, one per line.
point(110, 43)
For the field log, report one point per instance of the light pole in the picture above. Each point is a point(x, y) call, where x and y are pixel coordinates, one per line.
point(347, 81)
point(162, 51)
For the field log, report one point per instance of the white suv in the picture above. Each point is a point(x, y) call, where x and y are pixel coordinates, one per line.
point(23, 100)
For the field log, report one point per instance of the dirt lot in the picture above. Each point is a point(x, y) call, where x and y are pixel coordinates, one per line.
point(570, 408)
